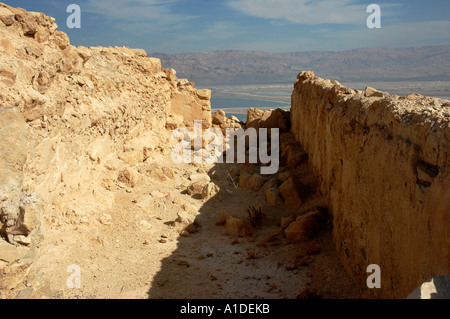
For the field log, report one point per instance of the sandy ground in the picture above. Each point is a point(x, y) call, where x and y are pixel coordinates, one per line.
point(139, 253)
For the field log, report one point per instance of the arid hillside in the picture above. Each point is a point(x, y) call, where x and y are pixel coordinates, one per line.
point(253, 67)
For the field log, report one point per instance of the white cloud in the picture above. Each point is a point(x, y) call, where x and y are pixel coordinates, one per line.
point(310, 12)
point(326, 39)
point(136, 11)
point(214, 36)
point(218, 30)
point(401, 35)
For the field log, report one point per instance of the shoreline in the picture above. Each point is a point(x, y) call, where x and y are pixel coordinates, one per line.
point(249, 96)
point(242, 110)
point(282, 92)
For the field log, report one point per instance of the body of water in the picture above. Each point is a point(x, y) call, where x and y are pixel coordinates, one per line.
point(238, 106)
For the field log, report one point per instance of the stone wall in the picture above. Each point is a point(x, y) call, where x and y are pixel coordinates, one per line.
point(383, 163)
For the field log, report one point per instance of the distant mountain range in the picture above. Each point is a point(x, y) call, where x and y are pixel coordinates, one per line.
point(255, 67)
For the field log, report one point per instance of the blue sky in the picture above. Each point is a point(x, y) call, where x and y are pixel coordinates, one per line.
point(174, 26)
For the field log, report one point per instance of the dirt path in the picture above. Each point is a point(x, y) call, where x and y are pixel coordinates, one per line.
point(136, 251)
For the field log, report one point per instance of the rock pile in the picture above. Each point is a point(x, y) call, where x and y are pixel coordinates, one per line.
point(220, 120)
point(277, 118)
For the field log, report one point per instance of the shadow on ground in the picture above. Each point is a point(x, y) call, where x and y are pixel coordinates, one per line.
point(216, 263)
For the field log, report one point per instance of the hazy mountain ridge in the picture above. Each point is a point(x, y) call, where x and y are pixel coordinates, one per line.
point(256, 67)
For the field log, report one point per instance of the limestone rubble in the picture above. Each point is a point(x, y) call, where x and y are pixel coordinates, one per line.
point(69, 117)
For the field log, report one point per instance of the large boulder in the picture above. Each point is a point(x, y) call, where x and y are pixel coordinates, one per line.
point(277, 118)
point(305, 226)
point(219, 117)
point(254, 118)
point(293, 191)
point(273, 197)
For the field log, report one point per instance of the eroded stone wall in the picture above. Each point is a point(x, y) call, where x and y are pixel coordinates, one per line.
point(383, 163)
